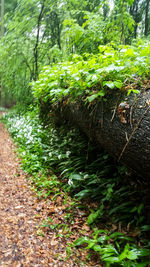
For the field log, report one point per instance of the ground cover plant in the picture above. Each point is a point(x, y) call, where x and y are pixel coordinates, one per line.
point(107, 190)
point(114, 67)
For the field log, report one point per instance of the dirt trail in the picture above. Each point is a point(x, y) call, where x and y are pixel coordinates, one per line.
point(20, 246)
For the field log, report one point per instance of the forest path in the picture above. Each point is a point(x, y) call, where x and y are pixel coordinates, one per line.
point(19, 243)
point(20, 213)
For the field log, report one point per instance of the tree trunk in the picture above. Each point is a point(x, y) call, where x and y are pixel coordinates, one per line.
point(146, 18)
point(36, 54)
point(121, 126)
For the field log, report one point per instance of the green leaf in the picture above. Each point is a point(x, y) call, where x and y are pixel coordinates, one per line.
point(91, 244)
point(81, 241)
point(129, 254)
point(134, 91)
point(145, 228)
point(92, 97)
point(143, 252)
point(97, 248)
point(76, 176)
point(103, 238)
point(101, 93)
point(94, 78)
point(84, 193)
point(110, 259)
point(93, 216)
point(116, 234)
point(118, 84)
point(132, 255)
point(109, 84)
point(140, 208)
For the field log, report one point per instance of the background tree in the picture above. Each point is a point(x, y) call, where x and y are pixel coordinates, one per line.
point(42, 32)
point(146, 31)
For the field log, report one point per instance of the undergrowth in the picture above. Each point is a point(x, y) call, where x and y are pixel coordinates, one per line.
point(118, 202)
point(113, 68)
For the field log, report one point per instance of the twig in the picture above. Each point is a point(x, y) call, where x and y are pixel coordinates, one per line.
point(114, 112)
point(126, 136)
point(131, 135)
point(131, 111)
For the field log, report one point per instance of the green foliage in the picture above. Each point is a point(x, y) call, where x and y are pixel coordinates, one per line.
point(25, 48)
point(86, 174)
point(39, 33)
point(93, 75)
point(114, 248)
point(27, 131)
point(79, 43)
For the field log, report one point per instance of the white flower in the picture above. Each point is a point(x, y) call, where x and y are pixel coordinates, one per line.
point(68, 153)
point(50, 154)
point(59, 156)
point(70, 182)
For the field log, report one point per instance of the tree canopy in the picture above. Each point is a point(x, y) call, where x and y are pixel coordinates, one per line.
point(44, 32)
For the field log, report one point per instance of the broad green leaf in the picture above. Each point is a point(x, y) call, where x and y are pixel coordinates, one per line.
point(118, 84)
point(91, 244)
point(143, 252)
point(145, 228)
point(132, 255)
point(94, 78)
point(116, 234)
point(103, 238)
point(76, 176)
point(97, 248)
point(92, 97)
point(101, 93)
point(81, 241)
point(83, 193)
point(93, 216)
point(111, 67)
point(110, 259)
point(134, 91)
point(109, 84)
point(140, 208)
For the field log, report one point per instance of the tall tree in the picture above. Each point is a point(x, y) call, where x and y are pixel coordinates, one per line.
point(36, 52)
point(146, 31)
point(136, 11)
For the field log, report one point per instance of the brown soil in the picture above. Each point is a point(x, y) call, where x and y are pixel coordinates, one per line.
point(22, 244)
point(19, 243)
